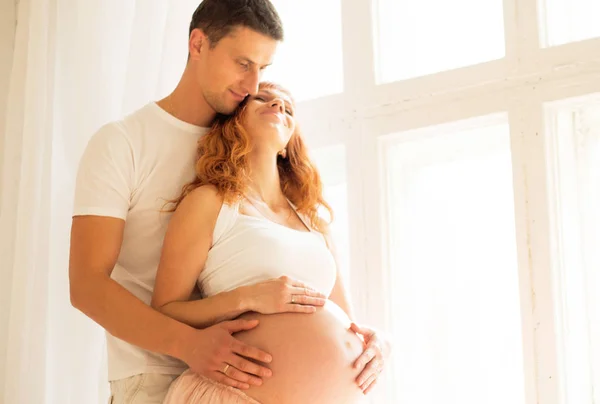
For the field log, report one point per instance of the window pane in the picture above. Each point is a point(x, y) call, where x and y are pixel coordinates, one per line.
point(566, 21)
point(331, 162)
point(309, 61)
point(416, 38)
point(575, 149)
point(455, 303)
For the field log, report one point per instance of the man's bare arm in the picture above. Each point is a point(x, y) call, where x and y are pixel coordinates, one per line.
point(95, 245)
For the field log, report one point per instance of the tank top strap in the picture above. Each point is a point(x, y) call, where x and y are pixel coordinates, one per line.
point(227, 217)
point(305, 219)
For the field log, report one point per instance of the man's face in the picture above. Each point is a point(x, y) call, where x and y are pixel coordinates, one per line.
point(232, 69)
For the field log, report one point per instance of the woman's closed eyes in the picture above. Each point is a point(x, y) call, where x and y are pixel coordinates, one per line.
point(263, 99)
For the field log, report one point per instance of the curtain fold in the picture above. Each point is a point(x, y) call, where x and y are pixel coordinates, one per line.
point(24, 230)
point(77, 64)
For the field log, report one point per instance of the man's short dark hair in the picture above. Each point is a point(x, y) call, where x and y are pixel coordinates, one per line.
point(217, 18)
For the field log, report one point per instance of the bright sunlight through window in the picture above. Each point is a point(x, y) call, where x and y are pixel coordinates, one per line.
point(309, 61)
point(331, 162)
point(564, 21)
point(416, 38)
point(453, 266)
point(574, 128)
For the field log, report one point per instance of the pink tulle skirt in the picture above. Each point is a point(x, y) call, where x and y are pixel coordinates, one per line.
point(190, 388)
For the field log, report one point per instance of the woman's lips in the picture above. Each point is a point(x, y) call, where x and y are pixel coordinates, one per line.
point(277, 114)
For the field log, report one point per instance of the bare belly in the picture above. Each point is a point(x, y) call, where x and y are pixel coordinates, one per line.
point(312, 357)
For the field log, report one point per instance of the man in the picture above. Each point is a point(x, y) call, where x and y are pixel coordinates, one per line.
point(129, 170)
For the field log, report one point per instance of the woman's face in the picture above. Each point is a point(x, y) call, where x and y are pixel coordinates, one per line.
point(269, 119)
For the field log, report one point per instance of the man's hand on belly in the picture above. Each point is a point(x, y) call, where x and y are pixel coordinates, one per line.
point(214, 353)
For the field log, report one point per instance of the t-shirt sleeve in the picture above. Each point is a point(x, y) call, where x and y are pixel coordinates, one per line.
point(105, 176)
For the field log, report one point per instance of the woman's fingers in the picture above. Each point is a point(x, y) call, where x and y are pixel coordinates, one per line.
point(299, 308)
point(365, 357)
point(308, 300)
point(369, 386)
point(302, 291)
point(373, 368)
point(300, 287)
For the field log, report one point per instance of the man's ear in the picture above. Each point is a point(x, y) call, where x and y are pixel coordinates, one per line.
point(198, 41)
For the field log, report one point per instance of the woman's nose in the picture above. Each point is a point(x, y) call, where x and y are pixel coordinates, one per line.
point(277, 103)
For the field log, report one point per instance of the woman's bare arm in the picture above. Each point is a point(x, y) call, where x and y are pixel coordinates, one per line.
point(185, 249)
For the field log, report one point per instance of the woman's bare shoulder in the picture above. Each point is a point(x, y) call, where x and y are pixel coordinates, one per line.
point(203, 202)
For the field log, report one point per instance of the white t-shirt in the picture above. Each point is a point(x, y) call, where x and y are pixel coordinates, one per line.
point(129, 170)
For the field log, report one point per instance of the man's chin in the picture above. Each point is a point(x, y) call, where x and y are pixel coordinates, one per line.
point(227, 109)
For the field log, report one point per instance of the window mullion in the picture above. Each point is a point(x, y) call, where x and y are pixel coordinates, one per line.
point(532, 216)
point(527, 45)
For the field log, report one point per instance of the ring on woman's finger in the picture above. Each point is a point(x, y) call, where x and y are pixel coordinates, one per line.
point(226, 368)
point(293, 299)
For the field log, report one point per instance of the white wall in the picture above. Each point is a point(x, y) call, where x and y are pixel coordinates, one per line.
point(8, 22)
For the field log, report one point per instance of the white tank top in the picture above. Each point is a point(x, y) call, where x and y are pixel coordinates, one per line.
point(248, 249)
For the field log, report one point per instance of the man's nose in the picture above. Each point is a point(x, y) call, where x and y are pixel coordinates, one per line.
point(251, 82)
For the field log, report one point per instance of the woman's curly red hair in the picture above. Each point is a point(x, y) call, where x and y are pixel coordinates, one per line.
point(223, 162)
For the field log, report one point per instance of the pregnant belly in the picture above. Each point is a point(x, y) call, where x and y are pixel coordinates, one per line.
point(312, 357)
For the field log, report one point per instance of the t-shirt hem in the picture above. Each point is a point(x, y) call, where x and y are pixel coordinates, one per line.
point(164, 370)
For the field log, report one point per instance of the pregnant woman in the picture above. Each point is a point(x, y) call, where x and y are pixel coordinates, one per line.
point(247, 232)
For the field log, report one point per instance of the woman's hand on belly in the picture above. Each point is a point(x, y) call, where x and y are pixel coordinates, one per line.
point(372, 360)
point(280, 295)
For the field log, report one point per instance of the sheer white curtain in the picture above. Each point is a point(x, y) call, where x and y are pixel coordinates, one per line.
point(77, 64)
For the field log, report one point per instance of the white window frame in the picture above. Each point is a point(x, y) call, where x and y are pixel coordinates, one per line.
point(520, 85)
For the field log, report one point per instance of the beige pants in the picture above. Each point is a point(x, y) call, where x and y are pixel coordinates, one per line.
point(147, 388)
point(191, 388)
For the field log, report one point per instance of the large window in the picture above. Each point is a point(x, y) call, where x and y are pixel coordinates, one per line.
point(452, 252)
